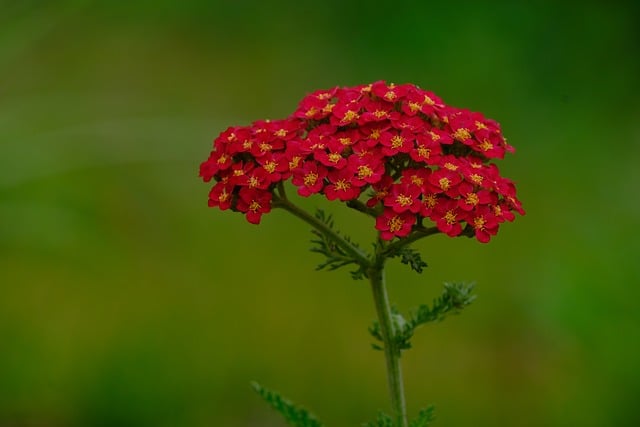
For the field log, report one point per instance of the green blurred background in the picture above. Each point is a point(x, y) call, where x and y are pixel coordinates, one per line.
point(125, 301)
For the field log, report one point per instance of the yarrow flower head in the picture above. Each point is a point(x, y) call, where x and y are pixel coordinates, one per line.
point(411, 157)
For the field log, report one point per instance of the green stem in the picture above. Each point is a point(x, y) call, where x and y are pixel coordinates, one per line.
point(356, 253)
point(387, 329)
point(418, 234)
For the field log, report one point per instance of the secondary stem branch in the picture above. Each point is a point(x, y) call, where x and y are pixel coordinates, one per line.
point(358, 255)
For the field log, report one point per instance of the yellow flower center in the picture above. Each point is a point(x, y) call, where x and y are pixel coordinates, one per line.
point(310, 179)
point(486, 145)
point(480, 125)
point(343, 185)
point(424, 151)
point(450, 166)
point(450, 217)
point(472, 199)
point(349, 116)
point(270, 166)
point(295, 162)
point(477, 179)
point(430, 200)
point(403, 200)
point(280, 133)
point(254, 206)
point(395, 223)
point(375, 134)
point(264, 147)
point(364, 171)
point(462, 134)
point(478, 223)
point(379, 114)
point(334, 157)
point(445, 183)
point(397, 141)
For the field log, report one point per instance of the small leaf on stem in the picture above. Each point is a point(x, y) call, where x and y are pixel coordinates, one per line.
point(294, 415)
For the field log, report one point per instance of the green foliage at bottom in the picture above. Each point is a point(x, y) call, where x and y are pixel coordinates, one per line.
point(294, 415)
point(424, 419)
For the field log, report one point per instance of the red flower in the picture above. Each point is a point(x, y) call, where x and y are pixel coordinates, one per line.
point(365, 169)
point(470, 199)
point(377, 111)
point(373, 131)
point(254, 203)
point(316, 105)
point(445, 181)
point(344, 114)
point(439, 136)
point(502, 212)
point(381, 188)
point(221, 195)
point(430, 201)
point(276, 165)
point(340, 141)
point(341, 186)
point(392, 224)
point(240, 172)
point(258, 178)
point(417, 177)
point(413, 124)
point(404, 197)
point(484, 223)
point(395, 142)
point(332, 159)
point(447, 217)
point(390, 93)
point(426, 150)
point(218, 161)
point(284, 129)
point(309, 178)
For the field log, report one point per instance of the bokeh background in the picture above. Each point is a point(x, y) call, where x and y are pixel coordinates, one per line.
point(125, 301)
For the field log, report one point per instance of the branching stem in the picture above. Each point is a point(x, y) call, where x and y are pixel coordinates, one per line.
point(280, 201)
point(417, 234)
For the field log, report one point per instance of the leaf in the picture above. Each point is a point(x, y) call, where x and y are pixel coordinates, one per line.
point(383, 420)
point(336, 257)
point(294, 415)
point(453, 299)
point(412, 258)
point(424, 418)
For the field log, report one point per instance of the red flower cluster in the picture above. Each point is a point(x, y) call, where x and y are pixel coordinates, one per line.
point(422, 159)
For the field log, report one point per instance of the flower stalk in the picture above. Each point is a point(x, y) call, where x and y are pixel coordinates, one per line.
point(388, 331)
